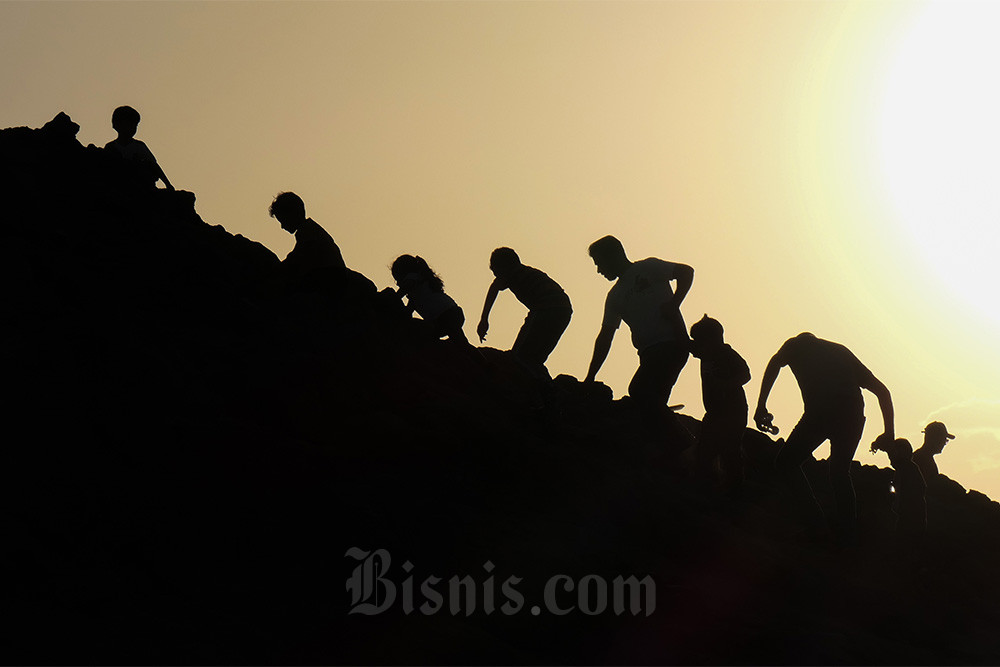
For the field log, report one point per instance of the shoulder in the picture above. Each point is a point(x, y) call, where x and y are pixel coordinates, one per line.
point(526, 270)
point(732, 354)
point(615, 295)
point(141, 147)
point(658, 265)
point(314, 228)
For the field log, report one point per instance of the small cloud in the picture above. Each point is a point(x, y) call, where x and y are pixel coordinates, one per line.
point(973, 458)
point(985, 447)
point(975, 414)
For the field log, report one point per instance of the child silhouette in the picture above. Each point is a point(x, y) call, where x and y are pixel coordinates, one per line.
point(424, 292)
point(134, 153)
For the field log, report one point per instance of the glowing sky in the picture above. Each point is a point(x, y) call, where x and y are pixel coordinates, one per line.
point(794, 153)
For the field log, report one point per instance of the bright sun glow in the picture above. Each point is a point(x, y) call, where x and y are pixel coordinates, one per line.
point(940, 144)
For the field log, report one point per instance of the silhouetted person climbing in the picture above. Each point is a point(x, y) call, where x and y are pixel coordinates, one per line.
point(936, 436)
point(643, 298)
point(424, 292)
point(549, 309)
point(830, 378)
point(137, 157)
point(315, 261)
point(723, 374)
point(911, 489)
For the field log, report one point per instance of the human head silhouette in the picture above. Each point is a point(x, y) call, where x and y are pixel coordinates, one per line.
point(706, 334)
point(290, 211)
point(900, 451)
point(405, 265)
point(609, 257)
point(503, 261)
point(936, 436)
point(125, 121)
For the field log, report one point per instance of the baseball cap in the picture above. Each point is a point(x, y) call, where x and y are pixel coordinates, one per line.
point(939, 429)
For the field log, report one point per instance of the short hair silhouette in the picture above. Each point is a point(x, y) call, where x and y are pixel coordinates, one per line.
point(549, 309)
point(607, 247)
point(287, 204)
point(504, 258)
point(125, 115)
point(899, 449)
point(707, 329)
point(142, 168)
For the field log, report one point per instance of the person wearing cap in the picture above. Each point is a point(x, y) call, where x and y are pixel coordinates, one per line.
point(936, 436)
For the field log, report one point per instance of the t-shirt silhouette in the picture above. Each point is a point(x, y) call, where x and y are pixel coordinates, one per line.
point(535, 289)
point(637, 299)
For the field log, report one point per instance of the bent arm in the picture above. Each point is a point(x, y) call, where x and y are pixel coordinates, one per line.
point(684, 275)
point(875, 386)
point(742, 374)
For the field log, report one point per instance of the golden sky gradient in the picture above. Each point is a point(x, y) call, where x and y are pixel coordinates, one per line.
point(794, 153)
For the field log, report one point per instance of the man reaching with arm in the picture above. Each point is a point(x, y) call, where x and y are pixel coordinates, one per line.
point(830, 378)
point(643, 298)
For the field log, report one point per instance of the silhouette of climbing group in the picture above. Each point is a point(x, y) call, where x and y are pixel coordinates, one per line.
point(647, 295)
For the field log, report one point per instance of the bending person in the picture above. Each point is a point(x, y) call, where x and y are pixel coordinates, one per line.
point(315, 261)
point(830, 378)
point(643, 298)
point(425, 295)
point(549, 309)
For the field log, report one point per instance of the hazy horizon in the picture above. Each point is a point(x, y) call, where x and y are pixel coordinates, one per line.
point(824, 166)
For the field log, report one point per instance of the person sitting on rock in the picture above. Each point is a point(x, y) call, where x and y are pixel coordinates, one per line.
point(549, 309)
point(936, 436)
point(424, 292)
point(830, 378)
point(315, 261)
point(136, 156)
point(723, 374)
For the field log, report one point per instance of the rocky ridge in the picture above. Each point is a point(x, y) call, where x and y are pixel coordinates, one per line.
point(194, 454)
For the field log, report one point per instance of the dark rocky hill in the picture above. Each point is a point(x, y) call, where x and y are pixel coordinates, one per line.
point(203, 467)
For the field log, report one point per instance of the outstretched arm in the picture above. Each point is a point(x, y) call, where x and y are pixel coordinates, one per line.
point(601, 348)
point(484, 321)
point(761, 416)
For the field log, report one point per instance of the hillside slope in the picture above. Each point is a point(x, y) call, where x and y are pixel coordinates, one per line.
point(200, 466)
